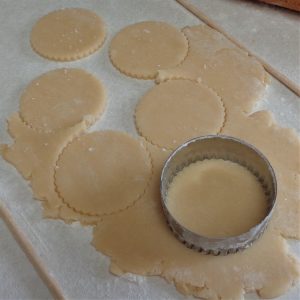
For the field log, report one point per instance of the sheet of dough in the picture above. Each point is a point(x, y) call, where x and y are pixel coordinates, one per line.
point(79, 232)
point(204, 43)
point(34, 155)
point(282, 147)
point(194, 283)
point(153, 250)
point(55, 108)
point(239, 79)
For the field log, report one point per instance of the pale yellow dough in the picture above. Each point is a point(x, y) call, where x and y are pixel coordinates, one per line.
point(102, 172)
point(238, 78)
point(139, 241)
point(282, 147)
point(55, 108)
point(62, 98)
point(68, 34)
point(108, 178)
point(141, 49)
point(34, 155)
point(204, 43)
point(217, 198)
point(178, 110)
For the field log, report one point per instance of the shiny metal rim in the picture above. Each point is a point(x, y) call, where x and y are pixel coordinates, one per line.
point(228, 148)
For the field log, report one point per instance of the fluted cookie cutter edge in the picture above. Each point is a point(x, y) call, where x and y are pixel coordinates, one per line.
point(227, 148)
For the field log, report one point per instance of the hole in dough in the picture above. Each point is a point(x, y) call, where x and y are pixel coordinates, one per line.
point(67, 34)
point(141, 49)
point(103, 172)
point(178, 110)
point(62, 98)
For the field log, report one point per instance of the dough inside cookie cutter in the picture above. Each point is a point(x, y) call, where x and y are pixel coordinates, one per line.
point(227, 148)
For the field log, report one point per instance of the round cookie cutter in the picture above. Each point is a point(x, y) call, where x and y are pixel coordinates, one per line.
point(227, 148)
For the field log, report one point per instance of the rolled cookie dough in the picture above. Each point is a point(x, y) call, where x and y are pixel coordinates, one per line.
point(141, 49)
point(217, 198)
point(236, 77)
point(178, 110)
point(67, 34)
point(139, 241)
point(34, 155)
point(204, 43)
point(282, 147)
point(102, 172)
point(61, 98)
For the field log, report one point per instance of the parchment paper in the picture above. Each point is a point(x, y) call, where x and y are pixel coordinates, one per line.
point(271, 32)
point(81, 272)
point(17, 276)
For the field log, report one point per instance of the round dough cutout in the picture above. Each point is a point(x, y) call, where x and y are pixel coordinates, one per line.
point(178, 110)
point(141, 49)
point(102, 172)
point(62, 98)
point(217, 198)
point(68, 34)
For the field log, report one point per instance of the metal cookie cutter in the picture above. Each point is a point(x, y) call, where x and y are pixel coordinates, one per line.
point(227, 148)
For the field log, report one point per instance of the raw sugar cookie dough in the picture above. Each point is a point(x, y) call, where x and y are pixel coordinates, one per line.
point(102, 172)
point(236, 77)
point(55, 108)
point(204, 43)
point(282, 147)
point(141, 49)
point(34, 154)
point(178, 110)
point(138, 240)
point(217, 198)
point(67, 34)
point(62, 98)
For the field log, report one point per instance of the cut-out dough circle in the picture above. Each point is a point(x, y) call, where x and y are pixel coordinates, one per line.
point(62, 98)
point(178, 110)
point(102, 172)
point(68, 34)
point(141, 49)
point(205, 197)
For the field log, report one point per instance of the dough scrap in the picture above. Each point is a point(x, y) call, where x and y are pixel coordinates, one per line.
point(102, 172)
point(68, 34)
point(62, 98)
point(178, 110)
point(34, 155)
point(141, 49)
point(204, 43)
point(139, 241)
point(282, 147)
point(217, 198)
point(236, 77)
